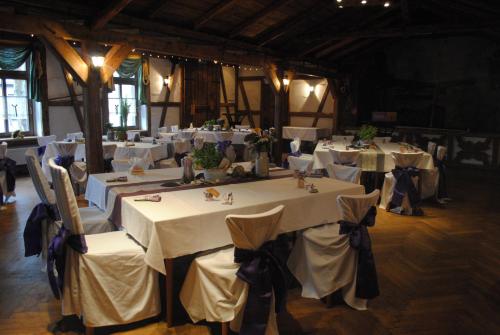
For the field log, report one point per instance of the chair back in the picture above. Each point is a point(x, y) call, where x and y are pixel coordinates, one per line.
point(251, 231)
point(431, 148)
point(343, 138)
point(182, 145)
point(349, 174)
point(163, 130)
point(174, 128)
point(66, 148)
point(295, 145)
point(44, 140)
point(382, 139)
point(344, 156)
point(353, 208)
point(186, 134)
point(407, 159)
point(41, 183)
point(3, 150)
point(198, 142)
point(441, 153)
point(66, 201)
point(120, 165)
point(131, 134)
point(108, 151)
point(74, 136)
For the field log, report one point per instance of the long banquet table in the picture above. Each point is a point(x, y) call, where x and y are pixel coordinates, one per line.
point(373, 160)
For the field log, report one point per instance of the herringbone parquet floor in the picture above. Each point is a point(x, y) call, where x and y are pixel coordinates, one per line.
point(438, 274)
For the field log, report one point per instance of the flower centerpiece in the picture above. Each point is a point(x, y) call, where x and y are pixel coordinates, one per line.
point(212, 161)
point(366, 134)
point(209, 124)
point(260, 143)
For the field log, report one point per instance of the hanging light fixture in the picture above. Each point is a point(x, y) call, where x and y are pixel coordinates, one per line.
point(97, 61)
point(166, 81)
point(286, 81)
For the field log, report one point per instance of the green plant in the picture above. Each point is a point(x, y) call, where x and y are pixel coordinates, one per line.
point(367, 132)
point(261, 143)
point(207, 157)
point(210, 123)
point(124, 110)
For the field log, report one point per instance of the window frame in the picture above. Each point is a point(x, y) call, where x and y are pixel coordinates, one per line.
point(17, 75)
point(126, 81)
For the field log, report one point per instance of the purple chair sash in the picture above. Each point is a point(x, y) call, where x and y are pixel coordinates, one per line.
point(64, 161)
point(359, 239)
point(442, 187)
point(222, 146)
point(264, 274)
point(41, 150)
point(404, 185)
point(57, 256)
point(295, 154)
point(33, 230)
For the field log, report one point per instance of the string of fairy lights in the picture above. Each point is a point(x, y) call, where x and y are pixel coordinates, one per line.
point(341, 3)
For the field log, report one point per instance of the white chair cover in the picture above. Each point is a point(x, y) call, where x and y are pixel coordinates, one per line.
point(431, 148)
point(350, 174)
point(108, 151)
point(120, 165)
point(441, 153)
point(66, 148)
point(403, 160)
point(3, 179)
point(211, 290)
point(163, 130)
point(295, 145)
point(344, 156)
point(3, 150)
point(303, 163)
point(430, 178)
point(131, 134)
point(323, 261)
point(182, 145)
point(44, 140)
point(110, 284)
point(198, 142)
point(174, 128)
point(74, 136)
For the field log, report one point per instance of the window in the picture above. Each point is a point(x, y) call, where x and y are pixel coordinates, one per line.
point(124, 89)
point(14, 107)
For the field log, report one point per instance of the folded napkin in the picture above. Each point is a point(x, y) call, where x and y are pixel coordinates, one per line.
point(117, 179)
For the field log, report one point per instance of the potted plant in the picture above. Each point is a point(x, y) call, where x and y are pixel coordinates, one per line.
point(212, 162)
point(121, 132)
point(210, 124)
point(366, 134)
point(260, 143)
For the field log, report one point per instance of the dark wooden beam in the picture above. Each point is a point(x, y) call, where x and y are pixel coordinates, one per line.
point(220, 7)
point(113, 59)
point(157, 7)
point(106, 15)
point(74, 101)
point(340, 45)
point(275, 5)
point(224, 91)
point(167, 96)
point(44, 100)
point(247, 104)
point(290, 24)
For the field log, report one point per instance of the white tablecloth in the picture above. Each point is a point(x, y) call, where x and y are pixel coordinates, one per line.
point(184, 223)
point(312, 134)
point(368, 159)
point(98, 188)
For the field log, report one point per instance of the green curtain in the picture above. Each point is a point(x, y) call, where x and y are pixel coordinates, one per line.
point(131, 67)
point(13, 57)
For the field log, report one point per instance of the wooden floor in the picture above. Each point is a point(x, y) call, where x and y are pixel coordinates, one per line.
point(438, 274)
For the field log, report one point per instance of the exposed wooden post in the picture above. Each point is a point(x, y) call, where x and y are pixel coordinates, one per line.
point(322, 104)
point(45, 94)
point(167, 95)
point(224, 91)
point(113, 59)
point(93, 119)
point(72, 94)
point(247, 104)
point(335, 95)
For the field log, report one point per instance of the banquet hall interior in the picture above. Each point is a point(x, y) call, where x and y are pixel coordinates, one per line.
point(249, 167)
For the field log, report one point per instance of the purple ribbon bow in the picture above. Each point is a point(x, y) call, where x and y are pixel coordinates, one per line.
point(64, 161)
point(404, 185)
point(33, 230)
point(57, 255)
point(359, 239)
point(41, 150)
point(222, 146)
point(262, 271)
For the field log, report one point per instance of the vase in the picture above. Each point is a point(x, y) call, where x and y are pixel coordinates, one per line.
point(262, 165)
point(213, 175)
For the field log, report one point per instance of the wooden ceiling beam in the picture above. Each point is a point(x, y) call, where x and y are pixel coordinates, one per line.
point(113, 59)
point(289, 24)
point(157, 7)
point(257, 16)
point(212, 12)
point(106, 15)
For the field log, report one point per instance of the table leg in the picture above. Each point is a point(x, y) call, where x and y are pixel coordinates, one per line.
point(169, 290)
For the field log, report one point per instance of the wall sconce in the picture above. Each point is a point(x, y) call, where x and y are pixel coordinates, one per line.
point(97, 61)
point(166, 81)
point(286, 81)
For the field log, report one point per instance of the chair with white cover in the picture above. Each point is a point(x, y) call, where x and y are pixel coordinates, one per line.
point(43, 141)
point(108, 153)
point(181, 148)
point(163, 130)
point(431, 148)
point(297, 160)
point(43, 222)
point(349, 174)
point(131, 134)
point(174, 128)
point(74, 136)
point(7, 175)
point(400, 190)
point(327, 258)
point(105, 279)
point(216, 288)
point(124, 165)
point(94, 220)
point(429, 179)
